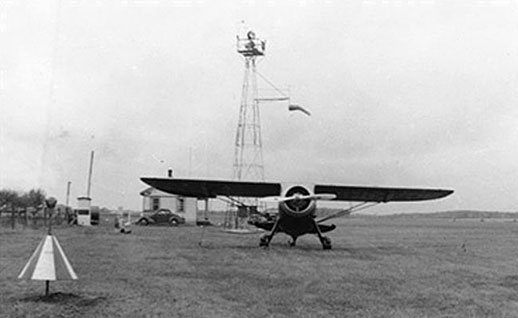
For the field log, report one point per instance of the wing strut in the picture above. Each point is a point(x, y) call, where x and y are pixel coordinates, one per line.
point(354, 208)
point(230, 200)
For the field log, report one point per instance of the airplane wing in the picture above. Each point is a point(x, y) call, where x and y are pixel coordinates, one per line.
point(212, 188)
point(381, 194)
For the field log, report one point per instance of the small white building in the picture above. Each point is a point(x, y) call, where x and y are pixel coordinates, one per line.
point(84, 211)
point(186, 207)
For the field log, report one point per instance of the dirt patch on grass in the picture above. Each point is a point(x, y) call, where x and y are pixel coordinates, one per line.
point(65, 298)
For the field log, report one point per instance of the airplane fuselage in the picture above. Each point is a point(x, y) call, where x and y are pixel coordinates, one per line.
point(296, 218)
point(295, 224)
point(296, 227)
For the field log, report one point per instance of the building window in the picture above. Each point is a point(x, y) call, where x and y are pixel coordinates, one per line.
point(155, 204)
point(180, 205)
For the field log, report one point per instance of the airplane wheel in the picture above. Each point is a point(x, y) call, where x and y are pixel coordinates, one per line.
point(264, 241)
point(326, 243)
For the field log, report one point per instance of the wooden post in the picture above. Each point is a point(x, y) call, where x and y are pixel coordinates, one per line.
point(13, 218)
point(50, 221)
point(206, 212)
point(45, 213)
point(50, 205)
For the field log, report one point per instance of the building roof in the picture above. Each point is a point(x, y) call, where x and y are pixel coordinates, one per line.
point(154, 192)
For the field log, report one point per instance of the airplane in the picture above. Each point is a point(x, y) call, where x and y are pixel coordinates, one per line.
point(296, 202)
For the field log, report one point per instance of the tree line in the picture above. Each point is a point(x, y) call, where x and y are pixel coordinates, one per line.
point(12, 200)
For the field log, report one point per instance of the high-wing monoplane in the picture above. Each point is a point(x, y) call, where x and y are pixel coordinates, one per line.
point(297, 203)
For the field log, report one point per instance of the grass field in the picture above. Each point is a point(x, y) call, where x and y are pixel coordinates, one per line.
point(379, 267)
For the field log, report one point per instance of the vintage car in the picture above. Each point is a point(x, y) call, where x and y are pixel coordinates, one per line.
point(162, 216)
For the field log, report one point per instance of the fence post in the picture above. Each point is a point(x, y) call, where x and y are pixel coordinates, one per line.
point(50, 204)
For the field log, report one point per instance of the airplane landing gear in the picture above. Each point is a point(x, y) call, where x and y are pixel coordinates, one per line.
point(326, 242)
point(265, 240)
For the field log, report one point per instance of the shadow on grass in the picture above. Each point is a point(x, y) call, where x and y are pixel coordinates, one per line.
point(65, 298)
point(361, 253)
point(510, 281)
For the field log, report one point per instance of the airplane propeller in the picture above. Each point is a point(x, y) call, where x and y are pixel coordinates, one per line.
point(280, 199)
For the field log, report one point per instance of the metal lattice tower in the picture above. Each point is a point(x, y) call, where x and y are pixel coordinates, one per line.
point(248, 151)
point(248, 154)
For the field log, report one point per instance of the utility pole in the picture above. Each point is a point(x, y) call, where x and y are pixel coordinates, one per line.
point(69, 183)
point(90, 174)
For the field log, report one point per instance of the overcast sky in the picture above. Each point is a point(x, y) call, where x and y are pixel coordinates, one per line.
point(402, 93)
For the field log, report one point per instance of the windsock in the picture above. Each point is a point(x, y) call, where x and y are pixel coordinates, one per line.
point(293, 107)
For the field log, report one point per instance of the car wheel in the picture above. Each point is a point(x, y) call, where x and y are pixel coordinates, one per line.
point(174, 222)
point(143, 222)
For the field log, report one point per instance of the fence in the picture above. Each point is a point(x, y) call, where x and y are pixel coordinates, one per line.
point(34, 218)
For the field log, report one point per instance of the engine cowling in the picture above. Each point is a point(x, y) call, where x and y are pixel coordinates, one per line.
point(297, 207)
